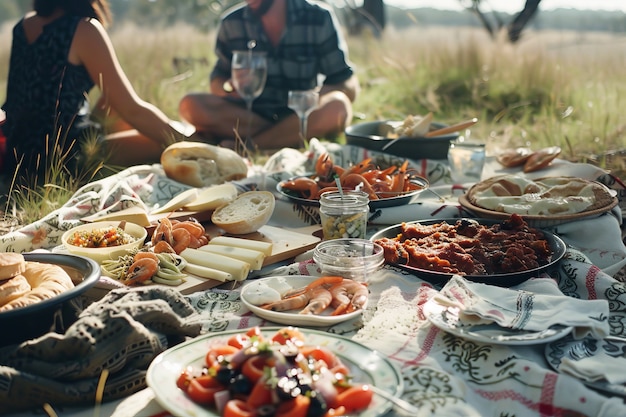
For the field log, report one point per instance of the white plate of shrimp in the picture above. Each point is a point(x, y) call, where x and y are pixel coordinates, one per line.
point(300, 300)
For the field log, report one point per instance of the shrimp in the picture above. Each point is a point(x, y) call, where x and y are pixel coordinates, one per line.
point(194, 228)
point(307, 187)
point(181, 239)
point(163, 247)
point(145, 255)
point(319, 299)
point(163, 232)
point(141, 271)
point(348, 296)
point(312, 301)
point(326, 280)
point(352, 181)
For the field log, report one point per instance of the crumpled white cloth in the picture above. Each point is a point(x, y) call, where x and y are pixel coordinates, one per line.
point(599, 367)
point(535, 305)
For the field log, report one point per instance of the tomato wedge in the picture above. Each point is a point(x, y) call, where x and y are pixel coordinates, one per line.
point(354, 398)
point(289, 334)
point(261, 395)
point(238, 408)
point(202, 389)
point(298, 407)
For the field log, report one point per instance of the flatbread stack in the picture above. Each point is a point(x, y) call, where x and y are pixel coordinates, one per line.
point(548, 196)
point(23, 283)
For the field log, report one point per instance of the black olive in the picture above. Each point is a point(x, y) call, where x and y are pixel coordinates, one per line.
point(224, 375)
point(318, 406)
point(240, 384)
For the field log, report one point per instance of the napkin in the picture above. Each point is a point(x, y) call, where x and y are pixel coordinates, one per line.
point(599, 367)
point(534, 305)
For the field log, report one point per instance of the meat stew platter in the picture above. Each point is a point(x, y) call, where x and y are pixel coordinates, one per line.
point(499, 278)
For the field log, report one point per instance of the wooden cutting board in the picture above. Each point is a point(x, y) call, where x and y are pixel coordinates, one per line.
point(286, 244)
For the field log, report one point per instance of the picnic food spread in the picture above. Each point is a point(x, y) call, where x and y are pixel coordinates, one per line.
point(469, 248)
point(25, 283)
point(549, 196)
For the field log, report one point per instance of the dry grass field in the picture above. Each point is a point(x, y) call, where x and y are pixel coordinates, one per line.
point(552, 88)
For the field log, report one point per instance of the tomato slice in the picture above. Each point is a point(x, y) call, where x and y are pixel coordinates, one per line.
point(261, 395)
point(238, 408)
point(289, 334)
point(239, 341)
point(320, 353)
point(215, 352)
point(253, 367)
point(355, 398)
point(298, 407)
point(203, 388)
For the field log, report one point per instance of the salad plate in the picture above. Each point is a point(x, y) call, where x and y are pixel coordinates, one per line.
point(446, 319)
point(366, 366)
point(588, 347)
point(292, 318)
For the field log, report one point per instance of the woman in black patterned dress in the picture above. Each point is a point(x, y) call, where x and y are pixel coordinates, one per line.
point(60, 51)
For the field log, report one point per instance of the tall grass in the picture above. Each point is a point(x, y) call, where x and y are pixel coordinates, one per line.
point(552, 88)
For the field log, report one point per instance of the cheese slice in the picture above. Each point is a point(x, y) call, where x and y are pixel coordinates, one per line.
point(133, 214)
point(179, 201)
point(261, 246)
point(254, 257)
point(212, 197)
point(238, 269)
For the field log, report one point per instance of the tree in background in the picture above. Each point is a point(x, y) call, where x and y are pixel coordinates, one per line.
point(515, 27)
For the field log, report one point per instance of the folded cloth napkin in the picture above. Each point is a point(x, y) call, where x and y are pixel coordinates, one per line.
point(120, 334)
point(599, 367)
point(534, 305)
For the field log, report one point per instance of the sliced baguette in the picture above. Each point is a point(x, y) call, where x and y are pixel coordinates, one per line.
point(245, 214)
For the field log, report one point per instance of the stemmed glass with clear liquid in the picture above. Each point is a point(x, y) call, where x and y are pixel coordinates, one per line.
point(303, 102)
point(249, 73)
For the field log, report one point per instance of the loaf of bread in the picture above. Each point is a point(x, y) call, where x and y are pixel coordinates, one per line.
point(200, 164)
point(245, 214)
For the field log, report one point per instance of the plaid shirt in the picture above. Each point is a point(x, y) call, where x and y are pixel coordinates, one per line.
point(312, 44)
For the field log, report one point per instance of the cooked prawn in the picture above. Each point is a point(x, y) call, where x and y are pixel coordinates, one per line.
point(306, 186)
point(312, 301)
point(145, 255)
point(163, 247)
point(163, 232)
point(141, 271)
point(348, 296)
point(181, 239)
point(194, 228)
point(323, 281)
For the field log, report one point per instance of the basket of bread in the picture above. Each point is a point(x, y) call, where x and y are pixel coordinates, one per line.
point(542, 202)
point(39, 291)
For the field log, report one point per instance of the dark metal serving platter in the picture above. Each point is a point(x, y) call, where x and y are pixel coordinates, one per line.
point(502, 280)
point(398, 200)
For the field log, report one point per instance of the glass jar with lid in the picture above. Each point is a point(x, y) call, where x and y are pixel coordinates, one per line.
point(344, 214)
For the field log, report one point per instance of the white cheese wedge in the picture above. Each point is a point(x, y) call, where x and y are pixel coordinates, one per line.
point(254, 257)
point(208, 273)
point(259, 293)
point(179, 201)
point(261, 246)
point(238, 269)
point(133, 214)
point(212, 197)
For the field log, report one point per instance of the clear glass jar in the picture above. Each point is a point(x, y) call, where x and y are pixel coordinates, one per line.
point(344, 215)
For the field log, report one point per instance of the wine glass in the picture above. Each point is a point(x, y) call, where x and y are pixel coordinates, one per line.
point(303, 102)
point(248, 73)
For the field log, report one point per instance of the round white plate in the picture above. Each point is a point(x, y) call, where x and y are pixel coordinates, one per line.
point(586, 348)
point(445, 319)
point(366, 366)
point(292, 318)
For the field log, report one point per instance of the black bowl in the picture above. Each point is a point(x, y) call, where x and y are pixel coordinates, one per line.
point(501, 280)
point(398, 200)
point(369, 135)
point(28, 322)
